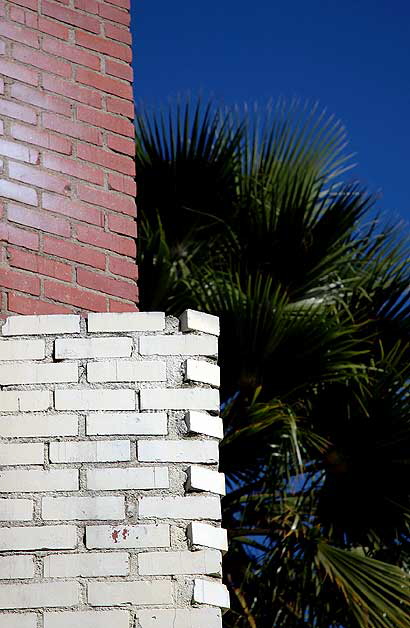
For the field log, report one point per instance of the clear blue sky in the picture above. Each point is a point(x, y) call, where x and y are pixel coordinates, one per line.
point(352, 56)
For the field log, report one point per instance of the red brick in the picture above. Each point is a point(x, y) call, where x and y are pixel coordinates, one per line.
point(125, 4)
point(121, 145)
point(106, 121)
point(113, 14)
point(25, 305)
point(29, 4)
point(71, 53)
point(40, 98)
point(19, 112)
point(2, 47)
point(122, 267)
point(123, 107)
point(74, 209)
point(118, 51)
point(120, 306)
point(41, 138)
point(111, 200)
point(82, 94)
point(116, 32)
point(106, 159)
point(75, 296)
point(90, 6)
point(69, 250)
point(42, 61)
point(70, 16)
point(53, 28)
point(19, 237)
point(35, 176)
point(1, 86)
point(19, 72)
point(68, 127)
point(2, 8)
point(1, 127)
point(122, 224)
point(103, 83)
point(19, 151)
point(73, 168)
point(39, 265)
point(122, 70)
point(16, 33)
point(122, 184)
point(17, 192)
point(102, 283)
point(38, 220)
point(19, 281)
point(106, 240)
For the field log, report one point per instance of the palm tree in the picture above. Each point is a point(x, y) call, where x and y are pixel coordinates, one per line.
point(246, 215)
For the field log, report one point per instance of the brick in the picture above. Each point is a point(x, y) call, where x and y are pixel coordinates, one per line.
point(40, 99)
point(123, 268)
point(73, 168)
point(22, 350)
point(18, 151)
point(114, 14)
point(180, 617)
point(38, 220)
point(63, 125)
point(16, 510)
point(118, 105)
point(18, 426)
point(35, 176)
point(82, 508)
point(180, 507)
point(116, 32)
point(79, 297)
point(179, 345)
point(104, 83)
point(125, 4)
point(127, 536)
point(110, 200)
point(114, 346)
point(86, 619)
point(204, 372)
point(135, 592)
point(211, 593)
point(122, 224)
point(127, 479)
point(16, 33)
point(41, 138)
point(71, 53)
point(91, 451)
point(106, 121)
point(191, 320)
point(121, 70)
point(106, 159)
point(69, 250)
point(74, 209)
point(18, 72)
point(14, 567)
point(37, 595)
point(19, 112)
point(23, 305)
point(84, 399)
point(178, 451)
point(40, 265)
point(19, 281)
point(20, 620)
point(122, 183)
point(121, 145)
point(41, 61)
point(52, 28)
point(24, 453)
point(39, 325)
point(204, 562)
point(179, 399)
point(121, 306)
point(89, 565)
point(38, 537)
point(126, 371)
point(33, 373)
point(25, 400)
point(70, 16)
point(30, 4)
point(203, 534)
point(202, 479)
point(144, 423)
point(113, 49)
point(38, 480)
point(72, 90)
point(105, 284)
point(202, 423)
point(106, 240)
point(18, 192)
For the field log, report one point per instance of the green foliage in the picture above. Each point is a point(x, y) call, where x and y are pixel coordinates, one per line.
point(246, 215)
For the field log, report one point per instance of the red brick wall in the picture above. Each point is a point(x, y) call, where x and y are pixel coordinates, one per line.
point(67, 190)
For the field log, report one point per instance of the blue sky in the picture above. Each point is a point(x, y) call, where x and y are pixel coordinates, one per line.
point(353, 57)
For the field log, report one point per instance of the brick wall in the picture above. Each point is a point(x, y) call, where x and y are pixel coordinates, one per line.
point(109, 489)
point(67, 189)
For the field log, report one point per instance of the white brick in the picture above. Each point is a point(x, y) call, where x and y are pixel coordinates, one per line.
point(25, 400)
point(20, 620)
point(39, 325)
point(16, 509)
point(24, 453)
point(180, 618)
point(179, 399)
point(83, 508)
point(112, 347)
point(126, 321)
point(207, 536)
point(87, 619)
point(203, 562)
point(22, 349)
point(201, 479)
point(135, 592)
point(137, 423)
point(127, 536)
point(178, 345)
point(212, 593)
point(90, 451)
point(12, 567)
point(38, 537)
point(127, 479)
point(127, 371)
point(36, 480)
point(180, 507)
point(192, 320)
point(178, 451)
point(36, 595)
point(38, 373)
point(101, 399)
point(87, 565)
point(201, 371)
point(17, 426)
point(202, 423)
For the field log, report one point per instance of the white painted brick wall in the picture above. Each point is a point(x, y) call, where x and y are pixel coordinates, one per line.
point(179, 345)
point(202, 479)
point(41, 325)
point(15, 567)
point(74, 348)
point(208, 536)
point(124, 321)
point(86, 565)
point(178, 451)
point(37, 373)
point(180, 507)
point(91, 451)
point(36, 480)
point(87, 619)
point(136, 592)
point(20, 620)
point(27, 426)
point(22, 350)
point(179, 399)
point(180, 618)
point(212, 593)
point(191, 320)
point(38, 538)
point(137, 424)
point(25, 400)
point(16, 509)
point(201, 371)
point(127, 371)
point(202, 423)
point(127, 536)
point(127, 479)
point(101, 399)
point(83, 508)
point(204, 562)
point(25, 453)
point(37, 595)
